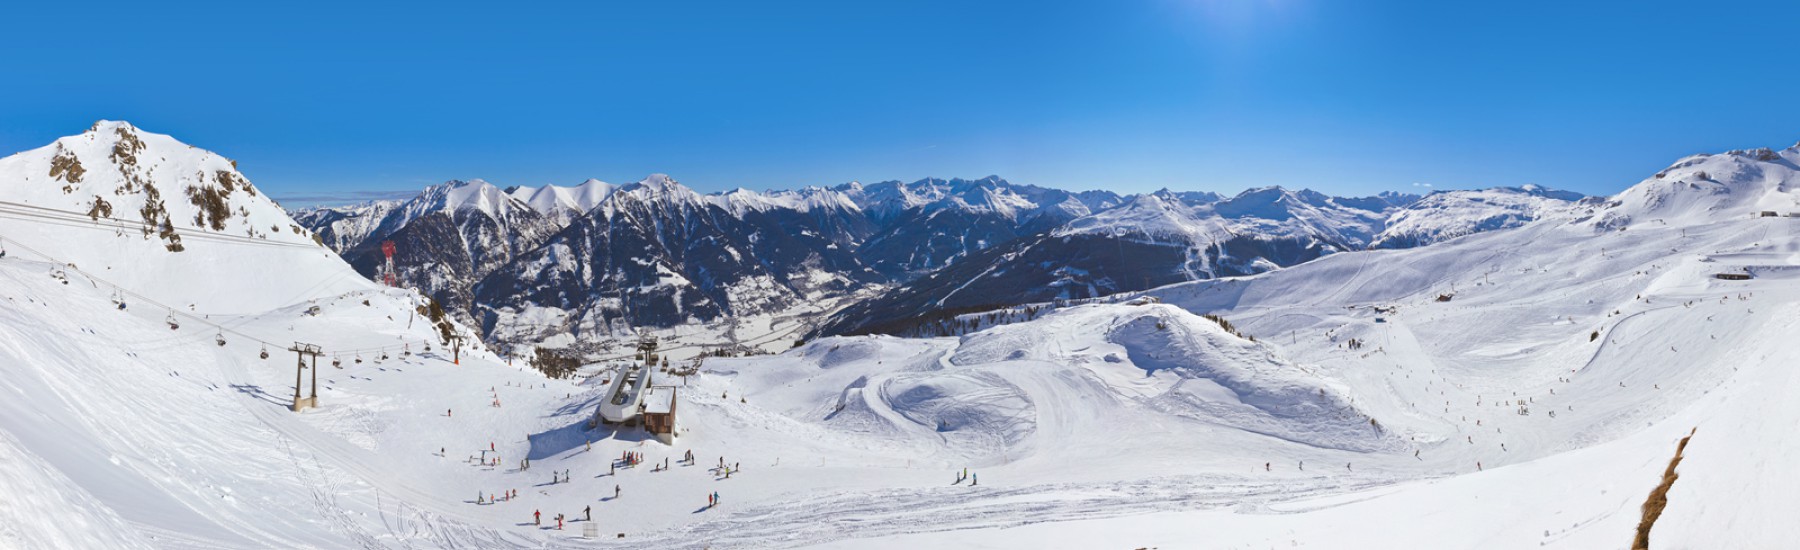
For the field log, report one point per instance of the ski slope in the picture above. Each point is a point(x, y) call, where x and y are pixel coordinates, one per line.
point(1517, 388)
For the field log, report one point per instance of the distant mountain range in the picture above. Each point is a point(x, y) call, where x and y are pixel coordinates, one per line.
point(529, 263)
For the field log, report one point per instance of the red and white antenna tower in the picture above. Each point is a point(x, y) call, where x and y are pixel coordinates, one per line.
point(387, 272)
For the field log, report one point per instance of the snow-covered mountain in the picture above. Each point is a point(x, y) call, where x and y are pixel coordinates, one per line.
point(450, 237)
point(657, 253)
point(1151, 240)
point(928, 224)
point(133, 198)
point(598, 257)
point(563, 203)
point(113, 170)
point(1445, 215)
point(343, 227)
point(1703, 188)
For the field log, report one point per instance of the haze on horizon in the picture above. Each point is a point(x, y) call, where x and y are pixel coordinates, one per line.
point(1220, 95)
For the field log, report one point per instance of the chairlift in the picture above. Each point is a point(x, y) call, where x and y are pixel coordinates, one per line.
point(220, 338)
point(265, 351)
point(171, 320)
point(384, 355)
point(359, 358)
point(336, 362)
point(406, 350)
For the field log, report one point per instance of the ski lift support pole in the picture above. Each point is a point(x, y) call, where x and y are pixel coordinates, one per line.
point(301, 351)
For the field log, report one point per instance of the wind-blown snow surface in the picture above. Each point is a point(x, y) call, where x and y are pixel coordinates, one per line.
point(1129, 424)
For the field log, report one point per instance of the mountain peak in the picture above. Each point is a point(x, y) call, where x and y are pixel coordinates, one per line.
point(656, 184)
point(110, 126)
point(474, 182)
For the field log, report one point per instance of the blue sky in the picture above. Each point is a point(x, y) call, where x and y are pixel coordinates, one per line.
point(1347, 97)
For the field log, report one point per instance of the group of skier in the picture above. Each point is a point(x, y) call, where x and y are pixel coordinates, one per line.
point(964, 475)
point(504, 496)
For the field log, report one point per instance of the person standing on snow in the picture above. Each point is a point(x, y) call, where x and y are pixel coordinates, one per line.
point(537, 517)
point(615, 492)
point(587, 513)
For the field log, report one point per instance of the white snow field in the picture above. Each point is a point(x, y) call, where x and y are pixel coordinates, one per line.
point(1121, 425)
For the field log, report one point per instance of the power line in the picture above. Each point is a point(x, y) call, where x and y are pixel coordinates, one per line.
point(31, 212)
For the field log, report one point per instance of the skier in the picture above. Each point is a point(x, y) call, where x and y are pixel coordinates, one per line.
point(559, 518)
point(587, 513)
point(1265, 466)
point(537, 517)
point(447, 412)
point(615, 469)
point(974, 479)
point(715, 498)
point(615, 492)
